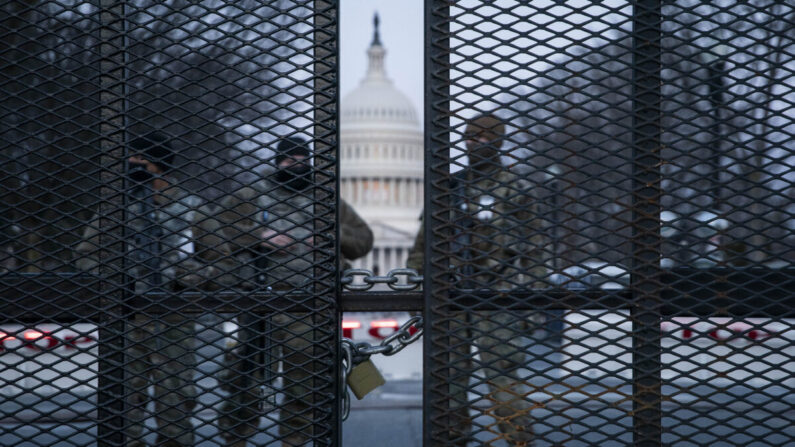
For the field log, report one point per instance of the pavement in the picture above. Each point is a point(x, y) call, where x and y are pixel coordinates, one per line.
point(572, 411)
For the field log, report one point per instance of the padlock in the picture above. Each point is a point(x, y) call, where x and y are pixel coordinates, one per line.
point(364, 378)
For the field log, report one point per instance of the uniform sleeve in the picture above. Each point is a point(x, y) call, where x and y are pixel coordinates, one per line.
point(87, 259)
point(180, 265)
point(210, 244)
point(356, 237)
point(521, 234)
point(416, 258)
point(237, 219)
point(212, 252)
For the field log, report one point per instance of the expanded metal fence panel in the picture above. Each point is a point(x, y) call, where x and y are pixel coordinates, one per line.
point(169, 256)
point(609, 213)
point(607, 244)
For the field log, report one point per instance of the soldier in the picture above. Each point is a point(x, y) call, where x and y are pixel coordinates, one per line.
point(496, 246)
point(268, 228)
point(160, 348)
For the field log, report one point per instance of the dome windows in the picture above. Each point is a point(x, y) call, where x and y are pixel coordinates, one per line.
point(380, 113)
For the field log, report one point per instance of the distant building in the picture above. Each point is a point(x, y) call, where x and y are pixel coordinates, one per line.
point(381, 162)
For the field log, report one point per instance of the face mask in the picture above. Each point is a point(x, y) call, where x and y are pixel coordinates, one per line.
point(138, 173)
point(483, 156)
point(296, 176)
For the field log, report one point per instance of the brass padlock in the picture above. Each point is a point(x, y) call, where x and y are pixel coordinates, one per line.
point(364, 378)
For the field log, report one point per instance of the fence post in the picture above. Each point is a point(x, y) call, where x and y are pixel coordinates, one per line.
point(111, 365)
point(646, 239)
point(437, 341)
point(326, 138)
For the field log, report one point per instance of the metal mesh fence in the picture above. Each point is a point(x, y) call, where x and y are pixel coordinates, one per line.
point(168, 223)
point(608, 223)
point(606, 249)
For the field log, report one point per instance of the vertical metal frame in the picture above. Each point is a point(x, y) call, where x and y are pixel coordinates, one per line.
point(326, 132)
point(111, 405)
point(437, 143)
point(326, 307)
point(646, 239)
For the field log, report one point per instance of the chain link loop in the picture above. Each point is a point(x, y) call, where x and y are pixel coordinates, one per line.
point(396, 342)
point(355, 353)
point(412, 281)
point(347, 349)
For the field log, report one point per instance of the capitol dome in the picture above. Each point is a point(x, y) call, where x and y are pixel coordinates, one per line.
point(376, 101)
point(381, 161)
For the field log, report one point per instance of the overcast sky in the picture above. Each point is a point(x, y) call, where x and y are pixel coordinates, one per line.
point(401, 35)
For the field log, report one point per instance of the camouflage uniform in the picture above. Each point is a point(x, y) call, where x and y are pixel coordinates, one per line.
point(237, 228)
point(160, 352)
point(498, 247)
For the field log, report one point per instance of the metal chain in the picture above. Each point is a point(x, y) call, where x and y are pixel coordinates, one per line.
point(394, 343)
point(355, 353)
point(413, 280)
point(347, 349)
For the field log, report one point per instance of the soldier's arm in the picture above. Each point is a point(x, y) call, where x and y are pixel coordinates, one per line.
point(238, 216)
point(88, 248)
point(522, 237)
point(178, 242)
point(416, 259)
point(356, 237)
point(210, 246)
point(512, 216)
point(212, 251)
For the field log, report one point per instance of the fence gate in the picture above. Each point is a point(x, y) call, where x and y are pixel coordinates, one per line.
point(168, 223)
point(609, 223)
point(607, 245)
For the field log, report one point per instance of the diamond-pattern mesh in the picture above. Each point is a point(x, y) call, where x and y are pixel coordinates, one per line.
point(607, 245)
point(609, 251)
point(168, 244)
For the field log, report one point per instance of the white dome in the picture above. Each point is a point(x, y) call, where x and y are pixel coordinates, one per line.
point(376, 101)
